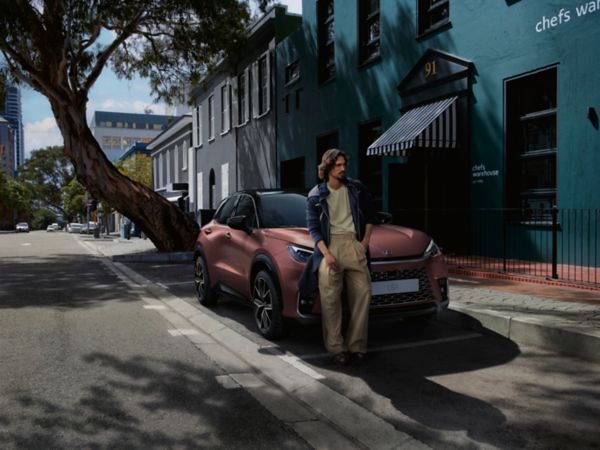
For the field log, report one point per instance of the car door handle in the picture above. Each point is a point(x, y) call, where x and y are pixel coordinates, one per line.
point(228, 235)
point(207, 230)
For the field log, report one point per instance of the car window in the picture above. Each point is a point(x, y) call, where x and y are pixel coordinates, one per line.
point(225, 209)
point(245, 207)
point(283, 210)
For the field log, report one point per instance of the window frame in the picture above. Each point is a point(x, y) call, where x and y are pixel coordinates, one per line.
point(365, 20)
point(211, 118)
point(425, 10)
point(325, 20)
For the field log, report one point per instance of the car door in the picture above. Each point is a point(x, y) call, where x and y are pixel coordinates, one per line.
point(242, 246)
point(216, 240)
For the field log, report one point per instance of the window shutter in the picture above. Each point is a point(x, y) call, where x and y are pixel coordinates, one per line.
point(268, 86)
point(195, 127)
point(247, 95)
point(255, 83)
point(234, 102)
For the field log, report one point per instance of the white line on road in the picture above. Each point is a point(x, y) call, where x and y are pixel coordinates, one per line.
point(161, 307)
point(183, 332)
point(26, 244)
point(179, 283)
point(294, 361)
point(462, 280)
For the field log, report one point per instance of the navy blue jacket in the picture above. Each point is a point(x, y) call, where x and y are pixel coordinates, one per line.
point(317, 220)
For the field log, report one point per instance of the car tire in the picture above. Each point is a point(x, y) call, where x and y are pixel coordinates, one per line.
point(206, 295)
point(267, 306)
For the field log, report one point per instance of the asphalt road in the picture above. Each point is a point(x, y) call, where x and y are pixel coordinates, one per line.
point(84, 363)
point(445, 386)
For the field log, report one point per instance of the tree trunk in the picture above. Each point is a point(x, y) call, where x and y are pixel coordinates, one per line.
point(165, 224)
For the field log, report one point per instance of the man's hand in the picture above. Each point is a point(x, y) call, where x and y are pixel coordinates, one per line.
point(365, 244)
point(331, 261)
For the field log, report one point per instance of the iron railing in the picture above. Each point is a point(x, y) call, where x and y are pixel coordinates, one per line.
point(557, 244)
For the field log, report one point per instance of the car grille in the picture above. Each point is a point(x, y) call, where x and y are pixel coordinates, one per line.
point(422, 295)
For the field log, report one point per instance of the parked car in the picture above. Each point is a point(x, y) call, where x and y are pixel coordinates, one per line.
point(74, 227)
point(256, 247)
point(22, 227)
point(53, 227)
point(88, 228)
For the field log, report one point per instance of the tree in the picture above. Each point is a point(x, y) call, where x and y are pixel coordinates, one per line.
point(73, 200)
point(45, 173)
point(54, 47)
point(138, 167)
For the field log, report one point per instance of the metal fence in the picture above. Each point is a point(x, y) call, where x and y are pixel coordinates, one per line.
point(559, 244)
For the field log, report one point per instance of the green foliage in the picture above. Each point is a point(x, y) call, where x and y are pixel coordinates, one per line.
point(137, 167)
point(73, 200)
point(41, 218)
point(171, 42)
point(44, 174)
point(17, 199)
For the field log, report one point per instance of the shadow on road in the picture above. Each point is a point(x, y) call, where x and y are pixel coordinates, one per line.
point(141, 403)
point(59, 281)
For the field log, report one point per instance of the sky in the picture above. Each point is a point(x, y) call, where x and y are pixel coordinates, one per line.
point(108, 94)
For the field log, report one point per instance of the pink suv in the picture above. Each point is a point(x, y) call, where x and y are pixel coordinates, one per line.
point(257, 243)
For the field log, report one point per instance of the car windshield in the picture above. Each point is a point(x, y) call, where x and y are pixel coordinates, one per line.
point(283, 210)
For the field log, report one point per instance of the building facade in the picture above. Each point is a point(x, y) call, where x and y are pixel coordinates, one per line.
point(116, 132)
point(234, 118)
point(447, 106)
point(7, 163)
point(172, 161)
point(11, 111)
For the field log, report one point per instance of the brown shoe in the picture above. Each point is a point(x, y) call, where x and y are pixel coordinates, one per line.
point(341, 359)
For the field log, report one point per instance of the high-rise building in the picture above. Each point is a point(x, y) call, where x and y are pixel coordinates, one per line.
point(11, 111)
point(7, 164)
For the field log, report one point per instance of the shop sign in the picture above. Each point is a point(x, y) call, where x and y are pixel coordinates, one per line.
point(564, 15)
point(479, 172)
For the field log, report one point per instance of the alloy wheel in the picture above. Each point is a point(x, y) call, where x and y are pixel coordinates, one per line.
point(263, 304)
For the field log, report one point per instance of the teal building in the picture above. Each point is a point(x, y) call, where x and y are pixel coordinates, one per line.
point(468, 119)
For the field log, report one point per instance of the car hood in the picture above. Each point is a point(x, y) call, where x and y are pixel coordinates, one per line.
point(387, 241)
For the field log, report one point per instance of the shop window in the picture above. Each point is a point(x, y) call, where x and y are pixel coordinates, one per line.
point(369, 23)
point(326, 37)
point(531, 146)
point(431, 15)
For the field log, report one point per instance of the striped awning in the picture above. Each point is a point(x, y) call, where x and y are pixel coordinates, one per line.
point(428, 126)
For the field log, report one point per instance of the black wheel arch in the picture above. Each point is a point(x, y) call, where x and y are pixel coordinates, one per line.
point(263, 262)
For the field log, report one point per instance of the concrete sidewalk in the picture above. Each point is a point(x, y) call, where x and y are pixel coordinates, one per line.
point(562, 319)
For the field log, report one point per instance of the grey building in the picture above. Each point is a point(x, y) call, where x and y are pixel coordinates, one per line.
point(234, 121)
point(116, 132)
point(11, 111)
point(172, 161)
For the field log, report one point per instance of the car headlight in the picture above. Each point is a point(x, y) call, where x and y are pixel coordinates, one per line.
point(432, 249)
point(300, 254)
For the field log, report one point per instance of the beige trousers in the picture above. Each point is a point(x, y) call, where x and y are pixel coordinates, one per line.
point(353, 271)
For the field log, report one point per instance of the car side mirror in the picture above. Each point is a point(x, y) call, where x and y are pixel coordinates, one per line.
point(383, 217)
point(239, 223)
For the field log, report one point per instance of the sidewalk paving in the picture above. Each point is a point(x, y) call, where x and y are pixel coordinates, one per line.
point(562, 319)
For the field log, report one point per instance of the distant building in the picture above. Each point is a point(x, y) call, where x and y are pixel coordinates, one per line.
point(7, 163)
point(11, 111)
point(116, 132)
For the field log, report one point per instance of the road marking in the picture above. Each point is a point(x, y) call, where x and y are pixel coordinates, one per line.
point(161, 307)
point(295, 361)
point(26, 244)
point(183, 332)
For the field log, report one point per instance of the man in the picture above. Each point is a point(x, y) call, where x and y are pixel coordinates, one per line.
point(340, 221)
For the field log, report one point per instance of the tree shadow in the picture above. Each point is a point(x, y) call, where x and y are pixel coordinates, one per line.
point(60, 281)
point(141, 402)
